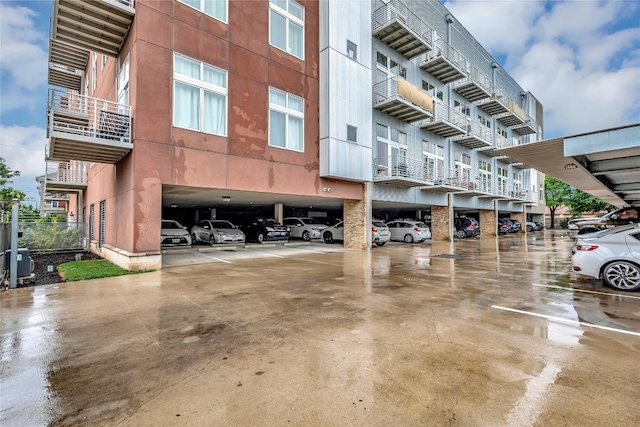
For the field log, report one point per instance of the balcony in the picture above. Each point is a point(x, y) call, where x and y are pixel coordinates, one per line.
point(477, 136)
point(527, 128)
point(398, 27)
point(402, 100)
point(445, 180)
point(446, 122)
point(443, 62)
point(97, 25)
point(65, 77)
point(514, 117)
point(495, 104)
point(88, 129)
point(65, 177)
point(474, 87)
point(499, 142)
point(401, 171)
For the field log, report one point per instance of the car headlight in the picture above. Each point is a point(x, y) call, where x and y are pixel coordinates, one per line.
point(269, 228)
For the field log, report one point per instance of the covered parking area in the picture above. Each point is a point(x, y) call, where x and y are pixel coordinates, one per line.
point(603, 163)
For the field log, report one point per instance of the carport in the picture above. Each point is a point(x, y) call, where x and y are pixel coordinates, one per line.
point(604, 163)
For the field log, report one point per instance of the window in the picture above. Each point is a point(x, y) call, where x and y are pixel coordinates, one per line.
point(286, 120)
point(286, 26)
point(199, 96)
point(215, 8)
point(352, 133)
point(432, 90)
point(103, 221)
point(391, 146)
point(94, 73)
point(463, 168)
point(458, 106)
point(92, 212)
point(352, 50)
point(517, 183)
point(433, 161)
point(104, 61)
point(484, 121)
point(484, 169)
point(123, 83)
point(503, 178)
point(388, 68)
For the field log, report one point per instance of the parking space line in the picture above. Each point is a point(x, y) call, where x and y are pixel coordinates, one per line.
point(212, 257)
point(263, 253)
point(586, 291)
point(570, 322)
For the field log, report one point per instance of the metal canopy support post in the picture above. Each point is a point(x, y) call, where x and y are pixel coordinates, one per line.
point(13, 266)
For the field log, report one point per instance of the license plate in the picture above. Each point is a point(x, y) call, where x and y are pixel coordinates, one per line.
point(175, 240)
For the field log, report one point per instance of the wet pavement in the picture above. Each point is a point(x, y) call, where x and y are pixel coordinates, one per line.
point(479, 332)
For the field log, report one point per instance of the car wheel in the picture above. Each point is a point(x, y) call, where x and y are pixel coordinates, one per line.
point(194, 239)
point(306, 236)
point(327, 237)
point(529, 228)
point(212, 239)
point(260, 237)
point(380, 243)
point(622, 275)
point(460, 234)
point(408, 238)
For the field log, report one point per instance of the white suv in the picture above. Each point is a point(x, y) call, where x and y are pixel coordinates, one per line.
point(304, 228)
point(409, 231)
point(379, 233)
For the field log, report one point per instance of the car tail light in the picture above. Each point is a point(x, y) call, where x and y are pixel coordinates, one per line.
point(375, 230)
point(417, 229)
point(576, 268)
point(586, 247)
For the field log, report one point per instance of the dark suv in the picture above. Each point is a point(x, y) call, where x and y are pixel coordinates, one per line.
point(261, 229)
point(466, 227)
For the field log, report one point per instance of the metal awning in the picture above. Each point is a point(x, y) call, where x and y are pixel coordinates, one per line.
point(604, 163)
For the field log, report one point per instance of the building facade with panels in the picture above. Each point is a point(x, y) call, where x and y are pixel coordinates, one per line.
point(194, 109)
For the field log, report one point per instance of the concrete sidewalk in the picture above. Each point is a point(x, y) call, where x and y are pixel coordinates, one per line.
point(400, 335)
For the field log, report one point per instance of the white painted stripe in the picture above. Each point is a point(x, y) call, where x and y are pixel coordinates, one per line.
point(212, 257)
point(568, 321)
point(586, 291)
point(527, 410)
point(263, 253)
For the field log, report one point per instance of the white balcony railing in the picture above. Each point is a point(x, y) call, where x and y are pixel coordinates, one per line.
point(72, 173)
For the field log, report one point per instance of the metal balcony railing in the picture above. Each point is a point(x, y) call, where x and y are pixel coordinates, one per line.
point(399, 167)
point(443, 62)
point(72, 173)
point(399, 98)
point(395, 24)
point(475, 86)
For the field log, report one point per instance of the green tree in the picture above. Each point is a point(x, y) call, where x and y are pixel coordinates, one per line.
point(6, 175)
point(556, 194)
point(580, 202)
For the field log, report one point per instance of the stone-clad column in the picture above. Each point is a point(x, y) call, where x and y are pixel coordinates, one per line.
point(442, 221)
point(520, 216)
point(357, 224)
point(488, 222)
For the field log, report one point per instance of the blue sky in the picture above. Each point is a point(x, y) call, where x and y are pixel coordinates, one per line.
point(580, 58)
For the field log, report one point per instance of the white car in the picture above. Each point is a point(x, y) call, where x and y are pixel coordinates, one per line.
point(173, 233)
point(612, 255)
point(216, 231)
point(304, 228)
point(379, 233)
point(409, 231)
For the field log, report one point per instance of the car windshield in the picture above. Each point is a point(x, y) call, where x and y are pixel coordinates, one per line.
point(379, 224)
point(268, 221)
point(608, 231)
point(310, 221)
point(221, 224)
point(170, 224)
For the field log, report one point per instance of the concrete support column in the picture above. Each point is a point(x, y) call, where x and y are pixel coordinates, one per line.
point(521, 217)
point(278, 212)
point(489, 222)
point(357, 221)
point(442, 221)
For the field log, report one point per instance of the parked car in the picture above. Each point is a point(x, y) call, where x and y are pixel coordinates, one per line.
point(466, 227)
point(173, 233)
point(329, 220)
point(612, 255)
point(262, 229)
point(409, 231)
point(504, 226)
point(533, 226)
point(379, 233)
point(516, 225)
point(216, 231)
point(304, 228)
point(618, 217)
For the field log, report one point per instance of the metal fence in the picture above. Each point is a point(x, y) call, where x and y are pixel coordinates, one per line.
point(52, 236)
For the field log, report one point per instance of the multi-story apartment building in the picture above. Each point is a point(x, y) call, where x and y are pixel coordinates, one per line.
point(192, 109)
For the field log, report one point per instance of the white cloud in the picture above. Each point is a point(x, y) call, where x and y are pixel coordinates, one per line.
point(572, 55)
point(24, 59)
point(22, 148)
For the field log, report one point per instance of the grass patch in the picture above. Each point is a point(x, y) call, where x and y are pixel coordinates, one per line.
point(92, 269)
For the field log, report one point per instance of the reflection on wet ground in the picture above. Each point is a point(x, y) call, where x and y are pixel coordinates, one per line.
point(478, 331)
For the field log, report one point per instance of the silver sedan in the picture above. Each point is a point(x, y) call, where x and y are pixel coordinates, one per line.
point(216, 231)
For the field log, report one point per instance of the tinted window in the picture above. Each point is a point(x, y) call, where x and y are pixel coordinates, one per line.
point(310, 221)
point(379, 224)
point(221, 224)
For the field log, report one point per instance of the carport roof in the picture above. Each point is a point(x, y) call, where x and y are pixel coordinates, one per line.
point(604, 163)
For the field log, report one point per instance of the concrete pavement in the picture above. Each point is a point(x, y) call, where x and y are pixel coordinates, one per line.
point(479, 332)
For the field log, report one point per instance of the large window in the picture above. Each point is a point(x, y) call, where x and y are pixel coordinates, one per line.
point(463, 168)
point(391, 147)
point(286, 26)
point(123, 83)
point(215, 8)
point(387, 68)
point(199, 96)
point(94, 73)
point(433, 161)
point(503, 178)
point(286, 120)
point(484, 172)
